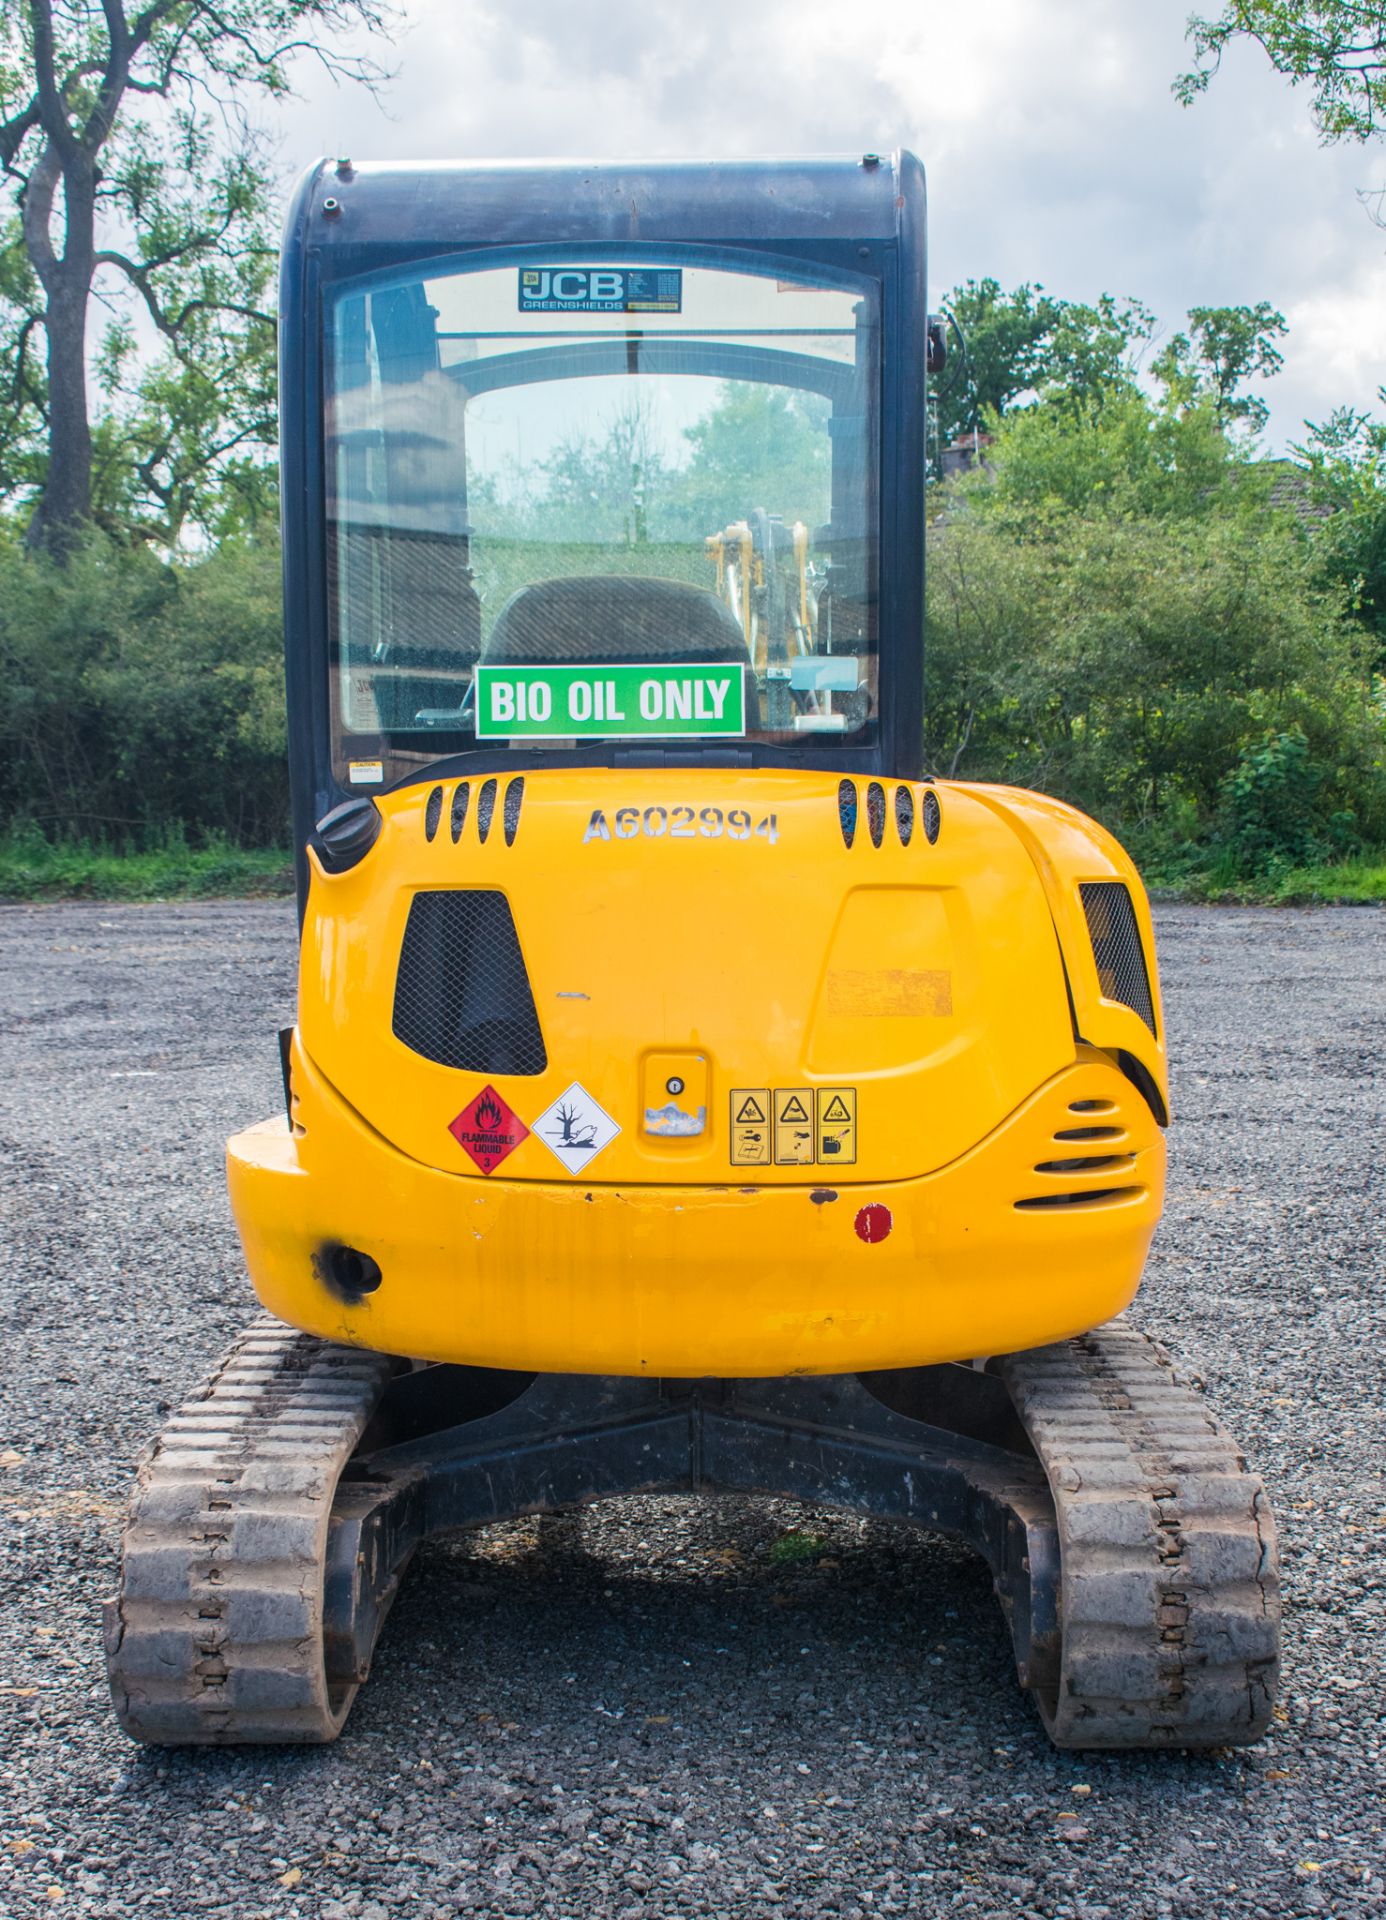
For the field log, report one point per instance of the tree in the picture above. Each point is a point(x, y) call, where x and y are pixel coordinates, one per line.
point(1027, 342)
point(1129, 456)
point(1335, 47)
point(1224, 347)
point(756, 446)
point(1005, 333)
point(139, 179)
point(1345, 459)
point(1130, 663)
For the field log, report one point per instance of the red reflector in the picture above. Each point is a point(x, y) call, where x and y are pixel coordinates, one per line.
point(873, 1223)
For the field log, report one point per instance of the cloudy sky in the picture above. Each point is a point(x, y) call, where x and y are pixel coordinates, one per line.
point(1054, 148)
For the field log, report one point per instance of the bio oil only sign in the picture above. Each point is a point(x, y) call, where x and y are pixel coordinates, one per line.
point(588, 703)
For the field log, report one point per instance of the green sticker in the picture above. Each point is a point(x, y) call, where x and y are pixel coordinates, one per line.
point(589, 703)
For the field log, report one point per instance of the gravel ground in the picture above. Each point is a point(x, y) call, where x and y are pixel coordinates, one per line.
point(678, 1708)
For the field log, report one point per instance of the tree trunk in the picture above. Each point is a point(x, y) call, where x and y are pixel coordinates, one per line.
point(65, 504)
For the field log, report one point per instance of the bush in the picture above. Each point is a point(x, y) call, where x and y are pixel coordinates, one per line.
point(142, 698)
point(1141, 668)
point(1273, 815)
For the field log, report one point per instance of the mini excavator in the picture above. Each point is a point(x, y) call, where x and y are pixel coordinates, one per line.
point(688, 1091)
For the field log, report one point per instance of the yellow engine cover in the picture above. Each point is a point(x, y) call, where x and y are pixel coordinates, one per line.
point(799, 1104)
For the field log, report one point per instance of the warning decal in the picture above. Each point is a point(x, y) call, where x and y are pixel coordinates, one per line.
point(487, 1130)
point(837, 1126)
point(794, 1133)
point(575, 1128)
point(750, 1126)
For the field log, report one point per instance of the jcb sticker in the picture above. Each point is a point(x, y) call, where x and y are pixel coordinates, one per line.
point(837, 1126)
point(750, 1126)
point(794, 1133)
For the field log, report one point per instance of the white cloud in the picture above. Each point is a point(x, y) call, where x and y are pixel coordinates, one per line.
point(1055, 149)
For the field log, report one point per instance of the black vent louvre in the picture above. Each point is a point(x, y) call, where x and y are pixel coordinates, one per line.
point(462, 995)
point(875, 812)
point(1116, 947)
point(904, 815)
point(931, 814)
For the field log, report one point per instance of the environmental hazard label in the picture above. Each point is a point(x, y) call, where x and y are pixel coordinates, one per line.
point(750, 1126)
point(794, 1136)
point(575, 1128)
point(487, 1130)
point(837, 1126)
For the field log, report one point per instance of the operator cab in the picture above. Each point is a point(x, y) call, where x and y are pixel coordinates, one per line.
point(575, 487)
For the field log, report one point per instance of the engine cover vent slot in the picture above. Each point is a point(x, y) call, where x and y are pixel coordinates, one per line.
point(1089, 1163)
point(1079, 1202)
point(1116, 947)
point(1090, 1133)
point(847, 810)
point(462, 993)
point(433, 813)
point(931, 814)
point(460, 798)
point(485, 809)
point(904, 815)
point(875, 812)
point(514, 800)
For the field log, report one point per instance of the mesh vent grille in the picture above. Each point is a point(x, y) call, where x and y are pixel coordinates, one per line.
point(459, 810)
point(514, 800)
point(875, 812)
point(847, 809)
point(904, 815)
point(932, 815)
point(462, 995)
point(1116, 947)
point(433, 813)
point(485, 808)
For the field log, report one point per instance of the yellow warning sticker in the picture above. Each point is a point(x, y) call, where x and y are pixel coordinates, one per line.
point(837, 1126)
point(750, 1126)
point(794, 1137)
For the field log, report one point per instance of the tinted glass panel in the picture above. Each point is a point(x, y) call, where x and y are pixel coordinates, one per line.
point(576, 501)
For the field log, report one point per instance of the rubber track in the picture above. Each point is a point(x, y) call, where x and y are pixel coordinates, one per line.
point(1170, 1594)
point(215, 1636)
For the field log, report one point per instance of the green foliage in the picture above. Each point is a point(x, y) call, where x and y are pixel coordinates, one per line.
point(33, 867)
point(136, 177)
point(1337, 48)
point(796, 1547)
point(1026, 343)
point(1005, 335)
point(1272, 814)
point(1345, 465)
point(1116, 615)
point(142, 698)
point(757, 442)
point(1224, 347)
point(1126, 456)
point(755, 446)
